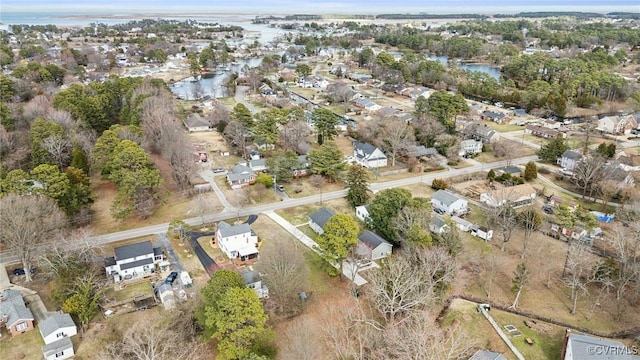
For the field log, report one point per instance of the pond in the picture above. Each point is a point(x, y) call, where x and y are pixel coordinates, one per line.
point(212, 84)
point(493, 71)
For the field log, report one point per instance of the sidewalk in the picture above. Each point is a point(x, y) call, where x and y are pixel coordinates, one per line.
point(347, 269)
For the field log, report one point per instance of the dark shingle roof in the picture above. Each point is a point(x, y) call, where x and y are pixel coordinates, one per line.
point(366, 148)
point(445, 197)
point(131, 265)
point(133, 250)
point(55, 322)
point(570, 154)
point(582, 348)
point(321, 216)
point(109, 261)
point(250, 277)
point(371, 239)
point(487, 355)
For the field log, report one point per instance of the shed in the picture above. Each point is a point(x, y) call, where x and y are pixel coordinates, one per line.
point(318, 219)
point(372, 246)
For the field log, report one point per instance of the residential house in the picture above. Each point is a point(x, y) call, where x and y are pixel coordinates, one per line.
point(318, 219)
point(253, 281)
point(240, 176)
point(470, 147)
point(569, 159)
point(581, 347)
point(420, 152)
point(482, 133)
point(303, 168)
point(422, 91)
point(557, 201)
point(366, 104)
point(258, 165)
point(520, 112)
point(511, 170)
point(495, 116)
point(368, 155)
point(462, 224)
point(516, 196)
point(449, 202)
point(617, 124)
point(194, 122)
point(487, 355)
point(628, 162)
point(362, 213)
point(133, 261)
point(543, 132)
point(617, 174)
point(237, 241)
point(16, 317)
point(56, 331)
point(372, 246)
point(438, 225)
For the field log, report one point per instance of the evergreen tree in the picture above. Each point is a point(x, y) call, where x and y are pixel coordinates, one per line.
point(553, 149)
point(530, 171)
point(357, 180)
point(327, 160)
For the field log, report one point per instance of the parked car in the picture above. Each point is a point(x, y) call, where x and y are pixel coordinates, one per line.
point(218, 170)
point(171, 278)
point(20, 271)
point(439, 211)
point(547, 209)
point(280, 188)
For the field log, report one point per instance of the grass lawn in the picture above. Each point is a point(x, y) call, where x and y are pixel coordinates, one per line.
point(248, 196)
point(420, 190)
point(302, 187)
point(130, 291)
point(307, 230)
point(23, 346)
point(504, 127)
point(228, 101)
point(548, 338)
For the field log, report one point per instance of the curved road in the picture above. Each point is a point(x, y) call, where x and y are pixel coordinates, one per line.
point(8, 257)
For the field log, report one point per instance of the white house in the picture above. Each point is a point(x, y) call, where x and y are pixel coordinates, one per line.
point(133, 261)
point(372, 246)
point(449, 202)
point(469, 147)
point(318, 219)
point(438, 225)
point(462, 224)
point(56, 331)
point(368, 155)
point(362, 213)
point(569, 159)
point(617, 124)
point(516, 196)
point(237, 241)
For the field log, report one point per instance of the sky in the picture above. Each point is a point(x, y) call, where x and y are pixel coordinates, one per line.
point(321, 6)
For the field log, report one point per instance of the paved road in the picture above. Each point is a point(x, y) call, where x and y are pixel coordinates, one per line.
point(239, 97)
point(9, 258)
point(210, 176)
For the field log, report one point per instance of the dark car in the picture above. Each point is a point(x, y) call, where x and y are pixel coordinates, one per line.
point(171, 278)
point(218, 170)
point(280, 188)
point(439, 211)
point(20, 271)
point(547, 209)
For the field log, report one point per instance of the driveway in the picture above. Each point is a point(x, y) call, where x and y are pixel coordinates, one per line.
point(210, 176)
point(239, 97)
point(207, 262)
point(171, 254)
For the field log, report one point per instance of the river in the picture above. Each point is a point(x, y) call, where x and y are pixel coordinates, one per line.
point(493, 71)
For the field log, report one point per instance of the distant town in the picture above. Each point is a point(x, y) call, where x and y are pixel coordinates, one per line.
point(304, 186)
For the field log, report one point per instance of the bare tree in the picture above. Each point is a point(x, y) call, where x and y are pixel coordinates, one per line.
point(491, 262)
point(238, 135)
point(26, 224)
point(298, 346)
point(628, 271)
point(411, 280)
point(286, 272)
point(293, 134)
point(397, 135)
point(504, 219)
point(202, 205)
point(68, 252)
point(59, 147)
point(254, 78)
point(505, 149)
point(158, 337)
point(576, 272)
point(530, 220)
point(589, 172)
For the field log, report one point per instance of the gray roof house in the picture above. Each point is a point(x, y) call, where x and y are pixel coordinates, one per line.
point(240, 176)
point(581, 347)
point(569, 159)
point(56, 331)
point(481, 133)
point(368, 155)
point(419, 151)
point(438, 225)
point(253, 280)
point(487, 355)
point(372, 246)
point(449, 202)
point(237, 241)
point(194, 122)
point(318, 219)
point(16, 317)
